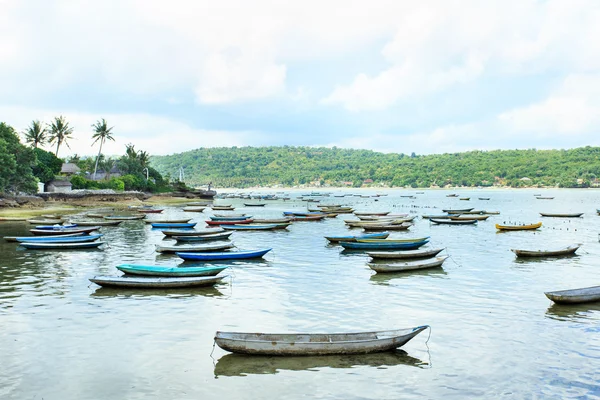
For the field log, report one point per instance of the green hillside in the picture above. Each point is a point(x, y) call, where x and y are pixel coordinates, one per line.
point(289, 166)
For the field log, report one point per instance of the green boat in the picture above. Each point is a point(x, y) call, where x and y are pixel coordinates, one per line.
point(147, 270)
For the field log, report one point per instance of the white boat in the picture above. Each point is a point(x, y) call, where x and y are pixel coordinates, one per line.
point(408, 254)
point(408, 266)
point(155, 283)
point(575, 296)
point(547, 253)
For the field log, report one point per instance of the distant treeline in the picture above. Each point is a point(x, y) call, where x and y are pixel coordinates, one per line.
point(290, 166)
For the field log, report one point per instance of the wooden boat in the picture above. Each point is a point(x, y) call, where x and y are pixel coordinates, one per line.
point(46, 221)
point(387, 227)
point(231, 215)
point(123, 217)
point(39, 232)
point(383, 246)
point(231, 255)
point(290, 214)
point(544, 198)
point(410, 254)
point(173, 225)
point(491, 212)
point(197, 248)
point(467, 217)
point(156, 283)
point(150, 211)
point(453, 221)
point(547, 253)
point(223, 208)
point(315, 344)
point(360, 224)
point(214, 218)
point(146, 270)
point(381, 218)
point(203, 238)
point(371, 213)
point(564, 215)
point(452, 195)
point(168, 221)
point(54, 227)
point(237, 222)
point(272, 221)
point(409, 240)
point(465, 198)
point(575, 296)
point(436, 216)
point(96, 215)
point(199, 203)
point(352, 238)
point(15, 238)
point(255, 204)
point(251, 227)
point(308, 217)
point(518, 227)
point(472, 212)
point(457, 210)
point(96, 223)
point(408, 266)
point(58, 239)
point(59, 246)
point(193, 209)
point(192, 232)
point(483, 198)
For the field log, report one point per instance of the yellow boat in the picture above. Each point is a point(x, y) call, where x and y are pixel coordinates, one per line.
point(518, 227)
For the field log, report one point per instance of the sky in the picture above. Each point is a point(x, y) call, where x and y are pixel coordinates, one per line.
point(426, 76)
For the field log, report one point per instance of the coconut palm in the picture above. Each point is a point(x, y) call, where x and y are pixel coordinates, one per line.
point(102, 133)
point(36, 134)
point(144, 158)
point(60, 132)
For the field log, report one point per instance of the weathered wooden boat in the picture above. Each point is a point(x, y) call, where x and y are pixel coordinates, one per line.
point(39, 232)
point(544, 198)
point(547, 253)
point(191, 232)
point(518, 227)
point(156, 283)
point(575, 296)
point(252, 227)
point(359, 224)
point(562, 215)
point(193, 209)
point(196, 248)
point(408, 266)
point(436, 216)
point(468, 217)
point(203, 238)
point(472, 212)
point(452, 195)
point(465, 198)
point(147, 270)
point(383, 246)
point(315, 344)
point(223, 208)
point(255, 204)
point(54, 227)
point(228, 218)
point(453, 221)
point(46, 221)
point(407, 240)
point(491, 212)
point(291, 214)
point(231, 215)
point(272, 220)
point(123, 217)
point(410, 254)
point(15, 238)
point(376, 213)
point(236, 222)
point(231, 255)
point(58, 239)
point(483, 198)
point(308, 217)
point(173, 225)
point(96, 223)
point(59, 246)
point(386, 227)
point(353, 238)
point(381, 218)
point(457, 210)
point(168, 221)
point(150, 211)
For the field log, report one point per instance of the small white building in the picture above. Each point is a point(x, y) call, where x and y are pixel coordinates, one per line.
point(40, 187)
point(59, 186)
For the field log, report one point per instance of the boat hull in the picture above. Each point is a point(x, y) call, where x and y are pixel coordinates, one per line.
point(404, 255)
point(382, 246)
point(60, 246)
point(546, 253)
point(233, 255)
point(144, 270)
point(155, 283)
point(407, 266)
point(575, 296)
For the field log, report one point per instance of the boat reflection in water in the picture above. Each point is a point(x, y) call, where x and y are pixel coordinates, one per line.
point(573, 312)
point(185, 292)
point(243, 365)
point(384, 279)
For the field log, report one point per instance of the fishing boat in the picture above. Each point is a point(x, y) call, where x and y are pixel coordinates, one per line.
point(353, 238)
point(193, 209)
point(410, 254)
point(408, 240)
point(168, 221)
point(214, 218)
point(150, 211)
point(255, 204)
point(465, 198)
point(453, 221)
point(575, 296)
point(251, 227)
point(96, 215)
point(544, 198)
point(192, 232)
point(408, 266)
point(483, 198)
point(547, 253)
point(156, 283)
point(58, 239)
point(123, 217)
point(39, 232)
point(197, 248)
point(59, 246)
point(54, 227)
point(518, 227)
point(236, 222)
point(562, 215)
point(231, 215)
point(315, 344)
point(146, 270)
point(203, 238)
point(272, 220)
point(436, 216)
point(223, 208)
point(231, 255)
point(380, 218)
point(452, 195)
point(301, 213)
point(172, 225)
point(308, 217)
point(386, 227)
point(376, 213)
point(96, 223)
point(383, 246)
point(457, 210)
point(46, 221)
point(467, 217)
point(16, 238)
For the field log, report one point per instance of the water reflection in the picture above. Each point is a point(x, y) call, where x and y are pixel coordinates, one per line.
point(137, 293)
point(384, 279)
point(243, 365)
point(574, 312)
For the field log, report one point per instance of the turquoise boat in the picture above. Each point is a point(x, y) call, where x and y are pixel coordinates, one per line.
point(230, 255)
point(58, 239)
point(353, 238)
point(147, 270)
point(383, 246)
point(171, 225)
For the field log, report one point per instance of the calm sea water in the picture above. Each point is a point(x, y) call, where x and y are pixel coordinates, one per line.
point(494, 333)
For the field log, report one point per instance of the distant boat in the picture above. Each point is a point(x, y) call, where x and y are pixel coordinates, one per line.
point(146, 270)
point(255, 204)
point(32, 238)
point(563, 215)
point(518, 227)
point(380, 213)
point(46, 221)
point(544, 198)
point(575, 296)
point(457, 210)
point(39, 232)
point(386, 227)
point(547, 253)
point(250, 227)
point(308, 217)
point(193, 209)
point(383, 246)
point(96, 223)
point(453, 221)
point(452, 195)
point(483, 198)
point(191, 232)
point(203, 238)
point(55, 227)
point(123, 217)
point(353, 238)
point(235, 218)
point(465, 198)
point(410, 254)
point(236, 222)
point(58, 239)
point(150, 211)
point(196, 248)
point(155, 283)
point(59, 246)
point(315, 344)
point(272, 220)
point(168, 221)
point(231, 255)
point(173, 225)
point(408, 266)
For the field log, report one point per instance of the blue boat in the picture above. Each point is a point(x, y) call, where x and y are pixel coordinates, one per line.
point(203, 238)
point(60, 246)
point(353, 238)
point(383, 246)
point(58, 239)
point(147, 270)
point(302, 214)
point(230, 218)
point(230, 255)
point(171, 225)
point(55, 227)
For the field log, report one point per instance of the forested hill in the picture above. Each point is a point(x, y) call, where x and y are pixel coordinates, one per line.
point(290, 166)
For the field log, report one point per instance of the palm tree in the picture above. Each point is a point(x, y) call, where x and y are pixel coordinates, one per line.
point(36, 134)
point(60, 132)
point(144, 158)
point(102, 133)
